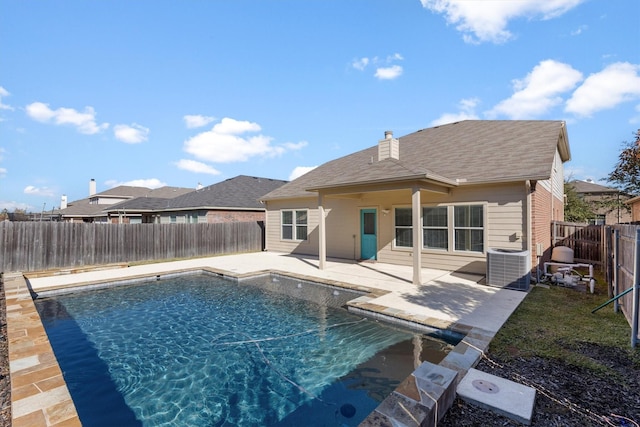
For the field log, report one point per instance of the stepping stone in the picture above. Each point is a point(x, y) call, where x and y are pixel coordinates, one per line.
point(500, 395)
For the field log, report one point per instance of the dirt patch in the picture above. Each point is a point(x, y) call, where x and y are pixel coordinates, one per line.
point(566, 395)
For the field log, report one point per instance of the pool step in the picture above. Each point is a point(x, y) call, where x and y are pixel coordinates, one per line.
point(500, 395)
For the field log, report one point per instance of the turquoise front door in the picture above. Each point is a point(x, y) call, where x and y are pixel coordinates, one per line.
point(368, 238)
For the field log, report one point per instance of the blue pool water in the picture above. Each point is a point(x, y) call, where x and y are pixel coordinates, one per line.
point(205, 351)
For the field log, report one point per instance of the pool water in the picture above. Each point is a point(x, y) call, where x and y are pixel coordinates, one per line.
point(206, 351)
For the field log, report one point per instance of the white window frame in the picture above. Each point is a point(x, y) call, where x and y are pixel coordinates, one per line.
point(404, 227)
point(296, 226)
point(469, 228)
point(425, 228)
point(451, 229)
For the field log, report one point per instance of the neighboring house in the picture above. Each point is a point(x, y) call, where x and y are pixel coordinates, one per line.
point(233, 200)
point(634, 206)
point(92, 209)
point(598, 196)
point(469, 186)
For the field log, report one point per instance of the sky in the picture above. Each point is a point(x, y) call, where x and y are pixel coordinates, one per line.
point(154, 93)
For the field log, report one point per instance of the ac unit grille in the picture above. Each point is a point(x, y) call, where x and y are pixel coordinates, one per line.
point(508, 268)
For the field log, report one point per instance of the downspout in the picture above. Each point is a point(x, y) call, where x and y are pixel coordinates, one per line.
point(529, 221)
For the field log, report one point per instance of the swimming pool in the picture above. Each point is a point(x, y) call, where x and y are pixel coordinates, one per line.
point(203, 350)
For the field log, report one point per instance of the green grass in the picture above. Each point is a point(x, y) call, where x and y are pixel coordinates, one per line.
point(553, 323)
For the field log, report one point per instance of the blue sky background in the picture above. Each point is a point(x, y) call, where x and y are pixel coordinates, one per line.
point(173, 93)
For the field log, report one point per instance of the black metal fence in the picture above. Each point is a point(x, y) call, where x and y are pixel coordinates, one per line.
point(34, 246)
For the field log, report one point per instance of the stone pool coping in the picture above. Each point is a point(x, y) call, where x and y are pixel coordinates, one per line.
point(421, 400)
point(39, 393)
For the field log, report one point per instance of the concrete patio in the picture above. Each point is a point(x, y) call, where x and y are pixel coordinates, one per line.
point(444, 300)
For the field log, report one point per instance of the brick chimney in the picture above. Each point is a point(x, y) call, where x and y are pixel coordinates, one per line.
point(389, 147)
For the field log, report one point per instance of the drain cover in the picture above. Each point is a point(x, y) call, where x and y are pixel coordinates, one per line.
point(485, 386)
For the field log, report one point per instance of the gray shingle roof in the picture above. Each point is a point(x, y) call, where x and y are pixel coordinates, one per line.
point(82, 207)
point(241, 192)
point(591, 187)
point(467, 152)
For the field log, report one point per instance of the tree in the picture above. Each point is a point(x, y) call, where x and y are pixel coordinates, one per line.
point(576, 209)
point(626, 175)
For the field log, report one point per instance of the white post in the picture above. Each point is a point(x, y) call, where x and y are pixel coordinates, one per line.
point(616, 269)
point(416, 221)
point(322, 238)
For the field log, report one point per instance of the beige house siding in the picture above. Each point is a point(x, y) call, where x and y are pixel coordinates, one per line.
point(505, 223)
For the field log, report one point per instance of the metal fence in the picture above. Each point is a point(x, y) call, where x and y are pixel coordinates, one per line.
point(623, 272)
point(34, 246)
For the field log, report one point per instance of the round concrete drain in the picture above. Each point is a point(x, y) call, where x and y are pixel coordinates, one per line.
point(485, 386)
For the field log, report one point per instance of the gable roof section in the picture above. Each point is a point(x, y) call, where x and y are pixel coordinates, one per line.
point(592, 188)
point(241, 192)
point(461, 153)
point(84, 207)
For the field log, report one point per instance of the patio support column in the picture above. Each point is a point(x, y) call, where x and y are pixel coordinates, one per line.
point(322, 237)
point(416, 221)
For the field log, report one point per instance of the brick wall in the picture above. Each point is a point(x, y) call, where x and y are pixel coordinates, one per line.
point(234, 216)
point(541, 217)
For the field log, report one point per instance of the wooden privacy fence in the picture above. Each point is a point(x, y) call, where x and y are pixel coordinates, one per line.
point(623, 272)
point(587, 241)
point(33, 246)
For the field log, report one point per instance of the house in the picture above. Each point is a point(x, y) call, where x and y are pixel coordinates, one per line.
point(608, 204)
point(469, 186)
point(634, 206)
point(233, 200)
point(92, 208)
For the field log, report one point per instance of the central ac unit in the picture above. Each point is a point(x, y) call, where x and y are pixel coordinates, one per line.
point(508, 268)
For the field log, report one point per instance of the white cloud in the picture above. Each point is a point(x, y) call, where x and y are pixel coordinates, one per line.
point(197, 167)
point(616, 84)
point(149, 183)
point(636, 118)
point(360, 63)
point(13, 206)
point(3, 172)
point(38, 191)
point(539, 91)
point(487, 20)
point(385, 68)
point(85, 122)
point(298, 171)
point(293, 146)
point(467, 112)
point(227, 143)
point(196, 121)
point(3, 93)
point(579, 30)
point(133, 134)
point(389, 73)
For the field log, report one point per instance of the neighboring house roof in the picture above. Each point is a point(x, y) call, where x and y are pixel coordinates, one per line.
point(461, 153)
point(83, 207)
point(241, 192)
point(592, 188)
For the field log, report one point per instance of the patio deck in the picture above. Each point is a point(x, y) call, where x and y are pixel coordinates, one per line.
point(443, 300)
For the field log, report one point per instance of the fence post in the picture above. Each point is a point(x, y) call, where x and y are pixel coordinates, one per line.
point(616, 268)
point(636, 292)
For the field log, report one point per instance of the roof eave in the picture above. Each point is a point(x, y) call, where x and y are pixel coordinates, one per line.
point(422, 177)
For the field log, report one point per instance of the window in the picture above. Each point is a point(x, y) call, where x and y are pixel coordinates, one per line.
point(173, 219)
point(469, 228)
point(404, 236)
point(435, 232)
point(192, 218)
point(294, 225)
